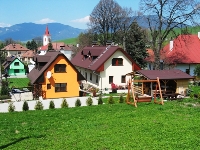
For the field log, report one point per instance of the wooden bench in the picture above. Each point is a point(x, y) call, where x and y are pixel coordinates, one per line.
point(143, 99)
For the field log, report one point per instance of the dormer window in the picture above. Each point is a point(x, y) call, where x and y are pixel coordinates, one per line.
point(117, 62)
point(58, 68)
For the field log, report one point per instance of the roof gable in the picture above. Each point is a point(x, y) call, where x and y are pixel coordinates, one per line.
point(11, 60)
point(94, 57)
point(49, 58)
point(15, 47)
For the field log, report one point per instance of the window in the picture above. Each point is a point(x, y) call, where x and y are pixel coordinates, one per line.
point(97, 78)
point(86, 75)
point(117, 62)
point(90, 76)
point(16, 64)
point(19, 52)
point(48, 86)
point(187, 71)
point(60, 68)
point(60, 87)
point(123, 79)
point(110, 79)
point(16, 70)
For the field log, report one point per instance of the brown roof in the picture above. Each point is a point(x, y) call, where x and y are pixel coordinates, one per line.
point(102, 53)
point(29, 54)
point(8, 61)
point(15, 47)
point(164, 74)
point(49, 57)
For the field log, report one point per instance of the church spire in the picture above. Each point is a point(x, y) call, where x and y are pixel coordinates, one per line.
point(47, 31)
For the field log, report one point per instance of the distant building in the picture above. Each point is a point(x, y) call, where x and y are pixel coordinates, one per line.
point(57, 46)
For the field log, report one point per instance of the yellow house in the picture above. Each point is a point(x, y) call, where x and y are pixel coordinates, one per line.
point(54, 76)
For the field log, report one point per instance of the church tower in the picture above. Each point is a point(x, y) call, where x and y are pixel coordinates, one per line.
point(46, 37)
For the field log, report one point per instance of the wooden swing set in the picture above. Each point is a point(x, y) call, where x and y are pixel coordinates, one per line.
point(144, 98)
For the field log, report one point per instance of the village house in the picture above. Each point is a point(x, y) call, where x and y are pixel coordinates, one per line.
point(104, 65)
point(16, 50)
point(14, 66)
point(181, 53)
point(54, 76)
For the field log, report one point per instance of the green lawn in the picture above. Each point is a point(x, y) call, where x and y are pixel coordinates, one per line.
point(18, 82)
point(71, 41)
point(175, 125)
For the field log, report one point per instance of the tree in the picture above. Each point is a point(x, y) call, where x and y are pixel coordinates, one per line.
point(164, 16)
point(135, 44)
point(50, 46)
point(197, 70)
point(32, 45)
point(84, 39)
point(107, 18)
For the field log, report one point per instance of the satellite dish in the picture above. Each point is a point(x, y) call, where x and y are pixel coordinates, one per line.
point(49, 74)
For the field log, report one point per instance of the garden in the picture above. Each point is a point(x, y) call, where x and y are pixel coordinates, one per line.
point(113, 125)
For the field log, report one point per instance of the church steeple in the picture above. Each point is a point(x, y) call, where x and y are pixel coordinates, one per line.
point(46, 37)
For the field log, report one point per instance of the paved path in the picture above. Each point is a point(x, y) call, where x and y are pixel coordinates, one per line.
point(57, 102)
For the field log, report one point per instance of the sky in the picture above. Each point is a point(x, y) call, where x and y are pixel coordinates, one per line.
point(74, 13)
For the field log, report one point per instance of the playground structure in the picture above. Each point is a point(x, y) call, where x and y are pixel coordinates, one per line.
point(142, 98)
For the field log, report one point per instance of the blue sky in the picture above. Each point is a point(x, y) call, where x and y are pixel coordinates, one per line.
point(69, 12)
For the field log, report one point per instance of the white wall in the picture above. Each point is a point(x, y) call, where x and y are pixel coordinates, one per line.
point(67, 53)
point(183, 68)
point(109, 70)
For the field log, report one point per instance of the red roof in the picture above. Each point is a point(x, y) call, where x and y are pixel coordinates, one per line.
point(29, 54)
point(47, 31)
point(15, 47)
point(99, 54)
point(56, 46)
point(185, 50)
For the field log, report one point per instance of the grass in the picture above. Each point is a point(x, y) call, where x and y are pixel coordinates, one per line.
point(70, 41)
point(18, 82)
point(119, 126)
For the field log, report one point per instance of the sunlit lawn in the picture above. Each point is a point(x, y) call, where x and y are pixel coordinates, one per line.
point(174, 125)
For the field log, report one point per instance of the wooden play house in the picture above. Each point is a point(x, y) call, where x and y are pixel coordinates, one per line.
point(136, 93)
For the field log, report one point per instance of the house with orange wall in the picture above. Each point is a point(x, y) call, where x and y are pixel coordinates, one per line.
point(54, 76)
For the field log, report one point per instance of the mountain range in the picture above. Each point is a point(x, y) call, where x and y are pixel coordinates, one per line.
point(29, 31)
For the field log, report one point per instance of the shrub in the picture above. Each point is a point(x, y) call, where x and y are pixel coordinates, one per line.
point(38, 105)
point(121, 99)
point(2, 97)
point(78, 103)
point(25, 106)
point(11, 107)
point(100, 100)
point(191, 95)
point(89, 101)
point(64, 103)
point(111, 100)
point(51, 105)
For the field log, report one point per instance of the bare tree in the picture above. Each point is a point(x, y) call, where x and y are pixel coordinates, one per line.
point(164, 16)
point(107, 18)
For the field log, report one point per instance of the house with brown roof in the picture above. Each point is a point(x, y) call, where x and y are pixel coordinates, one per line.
point(104, 65)
point(13, 66)
point(181, 53)
point(28, 56)
point(173, 80)
point(16, 50)
point(54, 76)
point(57, 46)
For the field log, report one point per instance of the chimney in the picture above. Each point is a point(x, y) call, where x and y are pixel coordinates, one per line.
point(199, 35)
point(171, 43)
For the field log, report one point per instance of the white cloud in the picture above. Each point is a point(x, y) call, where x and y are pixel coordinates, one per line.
point(45, 20)
point(4, 25)
point(82, 20)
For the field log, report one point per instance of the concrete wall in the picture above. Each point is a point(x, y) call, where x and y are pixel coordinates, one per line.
point(22, 96)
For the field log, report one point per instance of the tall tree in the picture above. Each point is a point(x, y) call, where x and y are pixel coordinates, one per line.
point(135, 44)
point(107, 18)
point(84, 39)
point(164, 16)
point(32, 45)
